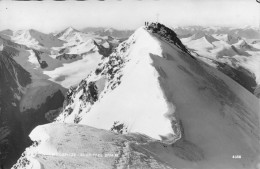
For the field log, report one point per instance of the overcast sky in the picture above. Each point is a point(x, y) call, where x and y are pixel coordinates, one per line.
point(49, 16)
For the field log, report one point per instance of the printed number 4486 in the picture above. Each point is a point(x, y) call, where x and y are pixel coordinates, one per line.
point(236, 156)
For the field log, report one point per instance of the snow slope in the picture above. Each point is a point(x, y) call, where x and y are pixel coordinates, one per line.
point(80, 146)
point(153, 86)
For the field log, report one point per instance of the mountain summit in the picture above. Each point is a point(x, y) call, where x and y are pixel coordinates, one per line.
point(68, 31)
point(174, 111)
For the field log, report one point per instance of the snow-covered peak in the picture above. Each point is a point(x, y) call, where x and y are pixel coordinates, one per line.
point(68, 32)
point(71, 29)
point(35, 39)
point(152, 85)
point(204, 35)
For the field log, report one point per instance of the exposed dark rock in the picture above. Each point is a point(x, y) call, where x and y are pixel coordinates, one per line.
point(43, 64)
point(66, 56)
point(32, 117)
point(168, 35)
point(104, 51)
point(12, 76)
point(118, 128)
point(242, 76)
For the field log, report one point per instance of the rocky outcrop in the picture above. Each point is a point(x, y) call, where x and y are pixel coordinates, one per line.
point(167, 34)
point(104, 51)
point(43, 63)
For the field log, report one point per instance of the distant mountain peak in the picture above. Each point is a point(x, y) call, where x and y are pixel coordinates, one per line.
point(199, 34)
point(71, 29)
point(68, 31)
point(108, 32)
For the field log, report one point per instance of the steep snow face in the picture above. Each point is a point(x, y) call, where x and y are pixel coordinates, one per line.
point(136, 75)
point(152, 85)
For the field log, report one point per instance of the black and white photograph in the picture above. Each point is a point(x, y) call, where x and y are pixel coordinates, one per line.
point(130, 84)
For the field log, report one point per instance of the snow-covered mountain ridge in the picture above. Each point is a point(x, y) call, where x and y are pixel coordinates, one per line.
point(152, 85)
